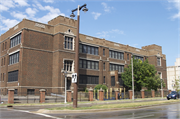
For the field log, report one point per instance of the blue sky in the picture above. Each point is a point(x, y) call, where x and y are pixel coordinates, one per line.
point(133, 22)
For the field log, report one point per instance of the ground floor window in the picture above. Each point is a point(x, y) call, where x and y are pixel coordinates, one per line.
point(88, 79)
point(13, 76)
point(120, 81)
point(112, 80)
point(30, 91)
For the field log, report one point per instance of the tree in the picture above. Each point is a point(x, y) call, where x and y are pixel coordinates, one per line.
point(177, 84)
point(144, 75)
point(99, 86)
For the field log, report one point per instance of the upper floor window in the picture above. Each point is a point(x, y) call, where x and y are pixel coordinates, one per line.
point(14, 58)
point(127, 56)
point(104, 66)
point(68, 65)
point(138, 57)
point(15, 40)
point(13, 76)
point(2, 62)
point(116, 55)
point(160, 75)
point(103, 52)
point(113, 67)
point(104, 79)
point(158, 61)
point(88, 49)
point(88, 64)
point(88, 79)
point(68, 43)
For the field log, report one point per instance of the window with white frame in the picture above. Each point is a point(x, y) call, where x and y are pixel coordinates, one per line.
point(160, 75)
point(68, 43)
point(68, 65)
point(158, 61)
point(15, 40)
point(14, 58)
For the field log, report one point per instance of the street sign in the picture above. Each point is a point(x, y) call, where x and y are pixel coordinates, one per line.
point(74, 78)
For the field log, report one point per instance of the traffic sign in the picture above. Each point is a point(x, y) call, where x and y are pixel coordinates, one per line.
point(74, 78)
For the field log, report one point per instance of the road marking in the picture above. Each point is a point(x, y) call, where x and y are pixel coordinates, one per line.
point(39, 114)
point(141, 116)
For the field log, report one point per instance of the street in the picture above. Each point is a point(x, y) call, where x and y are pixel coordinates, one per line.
point(171, 111)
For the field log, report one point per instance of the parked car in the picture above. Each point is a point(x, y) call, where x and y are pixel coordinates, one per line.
point(173, 95)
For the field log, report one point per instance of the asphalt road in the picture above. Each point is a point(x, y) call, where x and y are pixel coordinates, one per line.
point(171, 111)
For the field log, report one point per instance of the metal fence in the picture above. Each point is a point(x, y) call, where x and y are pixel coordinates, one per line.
point(82, 96)
point(157, 93)
point(137, 94)
point(147, 94)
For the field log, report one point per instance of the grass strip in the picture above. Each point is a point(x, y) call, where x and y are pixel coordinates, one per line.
point(120, 105)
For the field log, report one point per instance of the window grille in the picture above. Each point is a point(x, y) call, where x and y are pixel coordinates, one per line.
point(13, 76)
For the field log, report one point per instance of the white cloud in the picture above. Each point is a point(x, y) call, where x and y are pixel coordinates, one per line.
point(31, 12)
point(176, 4)
point(21, 2)
point(3, 8)
point(96, 15)
point(8, 23)
point(111, 33)
point(106, 7)
point(6, 4)
point(49, 1)
point(18, 15)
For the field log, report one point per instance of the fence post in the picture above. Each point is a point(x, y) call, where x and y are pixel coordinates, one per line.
point(130, 94)
point(142, 93)
point(68, 95)
point(94, 94)
point(117, 92)
point(42, 95)
point(98, 94)
point(90, 94)
point(110, 93)
point(124, 93)
point(120, 92)
point(107, 94)
point(152, 93)
point(11, 96)
point(162, 93)
point(101, 94)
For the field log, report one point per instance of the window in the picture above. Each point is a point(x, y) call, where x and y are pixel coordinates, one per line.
point(113, 67)
point(158, 61)
point(30, 91)
point(68, 43)
point(88, 64)
point(103, 52)
point(68, 65)
point(138, 57)
point(104, 79)
point(14, 58)
point(15, 40)
point(120, 81)
point(3, 76)
point(4, 60)
point(88, 49)
point(112, 80)
point(13, 76)
point(104, 66)
point(116, 55)
point(127, 56)
point(5, 45)
point(88, 79)
point(160, 75)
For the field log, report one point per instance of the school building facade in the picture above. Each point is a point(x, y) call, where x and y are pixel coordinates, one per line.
point(34, 56)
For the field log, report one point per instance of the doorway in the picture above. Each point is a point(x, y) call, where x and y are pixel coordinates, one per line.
point(68, 83)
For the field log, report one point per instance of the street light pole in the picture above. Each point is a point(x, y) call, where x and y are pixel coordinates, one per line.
point(161, 89)
point(75, 94)
point(132, 80)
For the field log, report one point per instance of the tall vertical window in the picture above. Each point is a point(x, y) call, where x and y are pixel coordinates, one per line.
point(104, 79)
point(103, 52)
point(112, 80)
point(104, 66)
point(116, 55)
point(127, 56)
point(120, 81)
point(15, 41)
point(5, 45)
point(68, 43)
point(14, 58)
point(160, 75)
point(3, 76)
point(68, 65)
point(13, 76)
point(158, 61)
point(4, 60)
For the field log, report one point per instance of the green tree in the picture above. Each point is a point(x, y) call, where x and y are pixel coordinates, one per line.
point(144, 75)
point(99, 86)
point(177, 84)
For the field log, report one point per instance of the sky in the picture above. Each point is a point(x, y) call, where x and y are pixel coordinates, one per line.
point(130, 22)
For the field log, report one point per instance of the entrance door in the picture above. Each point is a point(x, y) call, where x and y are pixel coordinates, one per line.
point(68, 83)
